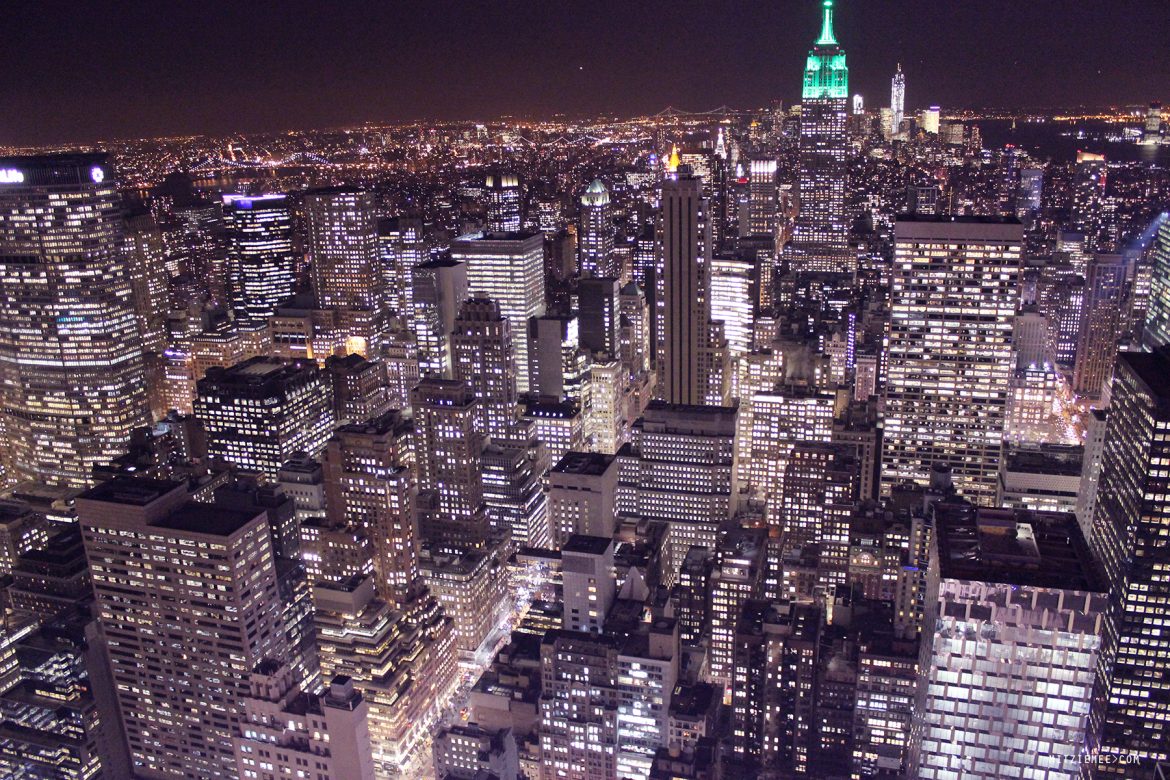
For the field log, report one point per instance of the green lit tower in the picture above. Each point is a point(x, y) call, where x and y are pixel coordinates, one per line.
point(820, 238)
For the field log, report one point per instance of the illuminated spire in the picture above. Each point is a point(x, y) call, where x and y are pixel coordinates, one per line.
point(827, 38)
point(720, 147)
point(672, 163)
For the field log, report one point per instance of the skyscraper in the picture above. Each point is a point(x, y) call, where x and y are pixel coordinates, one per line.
point(369, 485)
point(437, 289)
point(595, 243)
point(898, 98)
point(146, 266)
point(1087, 196)
point(1129, 538)
point(70, 352)
point(1106, 292)
point(680, 468)
point(763, 205)
point(953, 300)
point(261, 263)
point(503, 202)
point(450, 477)
point(820, 239)
point(599, 315)
point(258, 413)
point(509, 269)
point(685, 289)
point(400, 249)
point(342, 241)
point(1157, 329)
point(1013, 636)
point(484, 359)
point(186, 624)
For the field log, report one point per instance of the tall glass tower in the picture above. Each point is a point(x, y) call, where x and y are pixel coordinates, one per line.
point(261, 260)
point(898, 97)
point(72, 384)
point(820, 238)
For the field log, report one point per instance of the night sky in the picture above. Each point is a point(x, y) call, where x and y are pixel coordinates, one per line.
point(82, 71)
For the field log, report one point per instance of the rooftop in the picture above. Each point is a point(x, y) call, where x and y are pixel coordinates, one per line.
point(588, 463)
point(132, 491)
point(586, 545)
point(1153, 369)
point(210, 519)
point(1057, 459)
point(1013, 546)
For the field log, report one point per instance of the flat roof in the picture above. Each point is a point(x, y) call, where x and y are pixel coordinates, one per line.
point(1013, 547)
point(1153, 369)
point(589, 463)
point(132, 491)
point(955, 228)
point(1059, 459)
point(212, 519)
point(586, 545)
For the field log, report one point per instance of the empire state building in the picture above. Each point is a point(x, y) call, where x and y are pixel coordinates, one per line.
point(820, 237)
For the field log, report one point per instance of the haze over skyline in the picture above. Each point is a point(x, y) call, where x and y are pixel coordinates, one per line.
point(80, 72)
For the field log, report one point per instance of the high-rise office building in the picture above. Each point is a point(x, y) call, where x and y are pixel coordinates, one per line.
point(732, 283)
point(1011, 646)
point(260, 259)
point(1129, 538)
point(1106, 293)
point(359, 388)
point(1157, 327)
point(738, 575)
point(1088, 193)
point(897, 99)
point(283, 730)
point(595, 256)
point(558, 366)
point(198, 247)
point(679, 467)
point(400, 249)
point(509, 269)
point(599, 315)
point(514, 471)
point(185, 625)
point(820, 238)
point(342, 241)
point(607, 419)
point(776, 654)
point(581, 489)
point(589, 586)
point(764, 207)
point(400, 656)
point(929, 120)
point(438, 288)
point(448, 449)
point(259, 413)
point(70, 352)
point(146, 267)
point(819, 491)
point(503, 202)
point(684, 352)
point(950, 362)
point(369, 485)
point(484, 359)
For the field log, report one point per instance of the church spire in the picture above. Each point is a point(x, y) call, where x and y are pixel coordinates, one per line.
point(827, 38)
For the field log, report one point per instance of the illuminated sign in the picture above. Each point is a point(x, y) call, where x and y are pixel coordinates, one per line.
point(11, 176)
point(97, 174)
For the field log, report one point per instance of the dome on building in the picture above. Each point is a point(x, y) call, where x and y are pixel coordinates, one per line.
point(596, 194)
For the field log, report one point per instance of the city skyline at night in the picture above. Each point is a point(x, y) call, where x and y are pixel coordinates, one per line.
point(401, 393)
point(81, 74)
